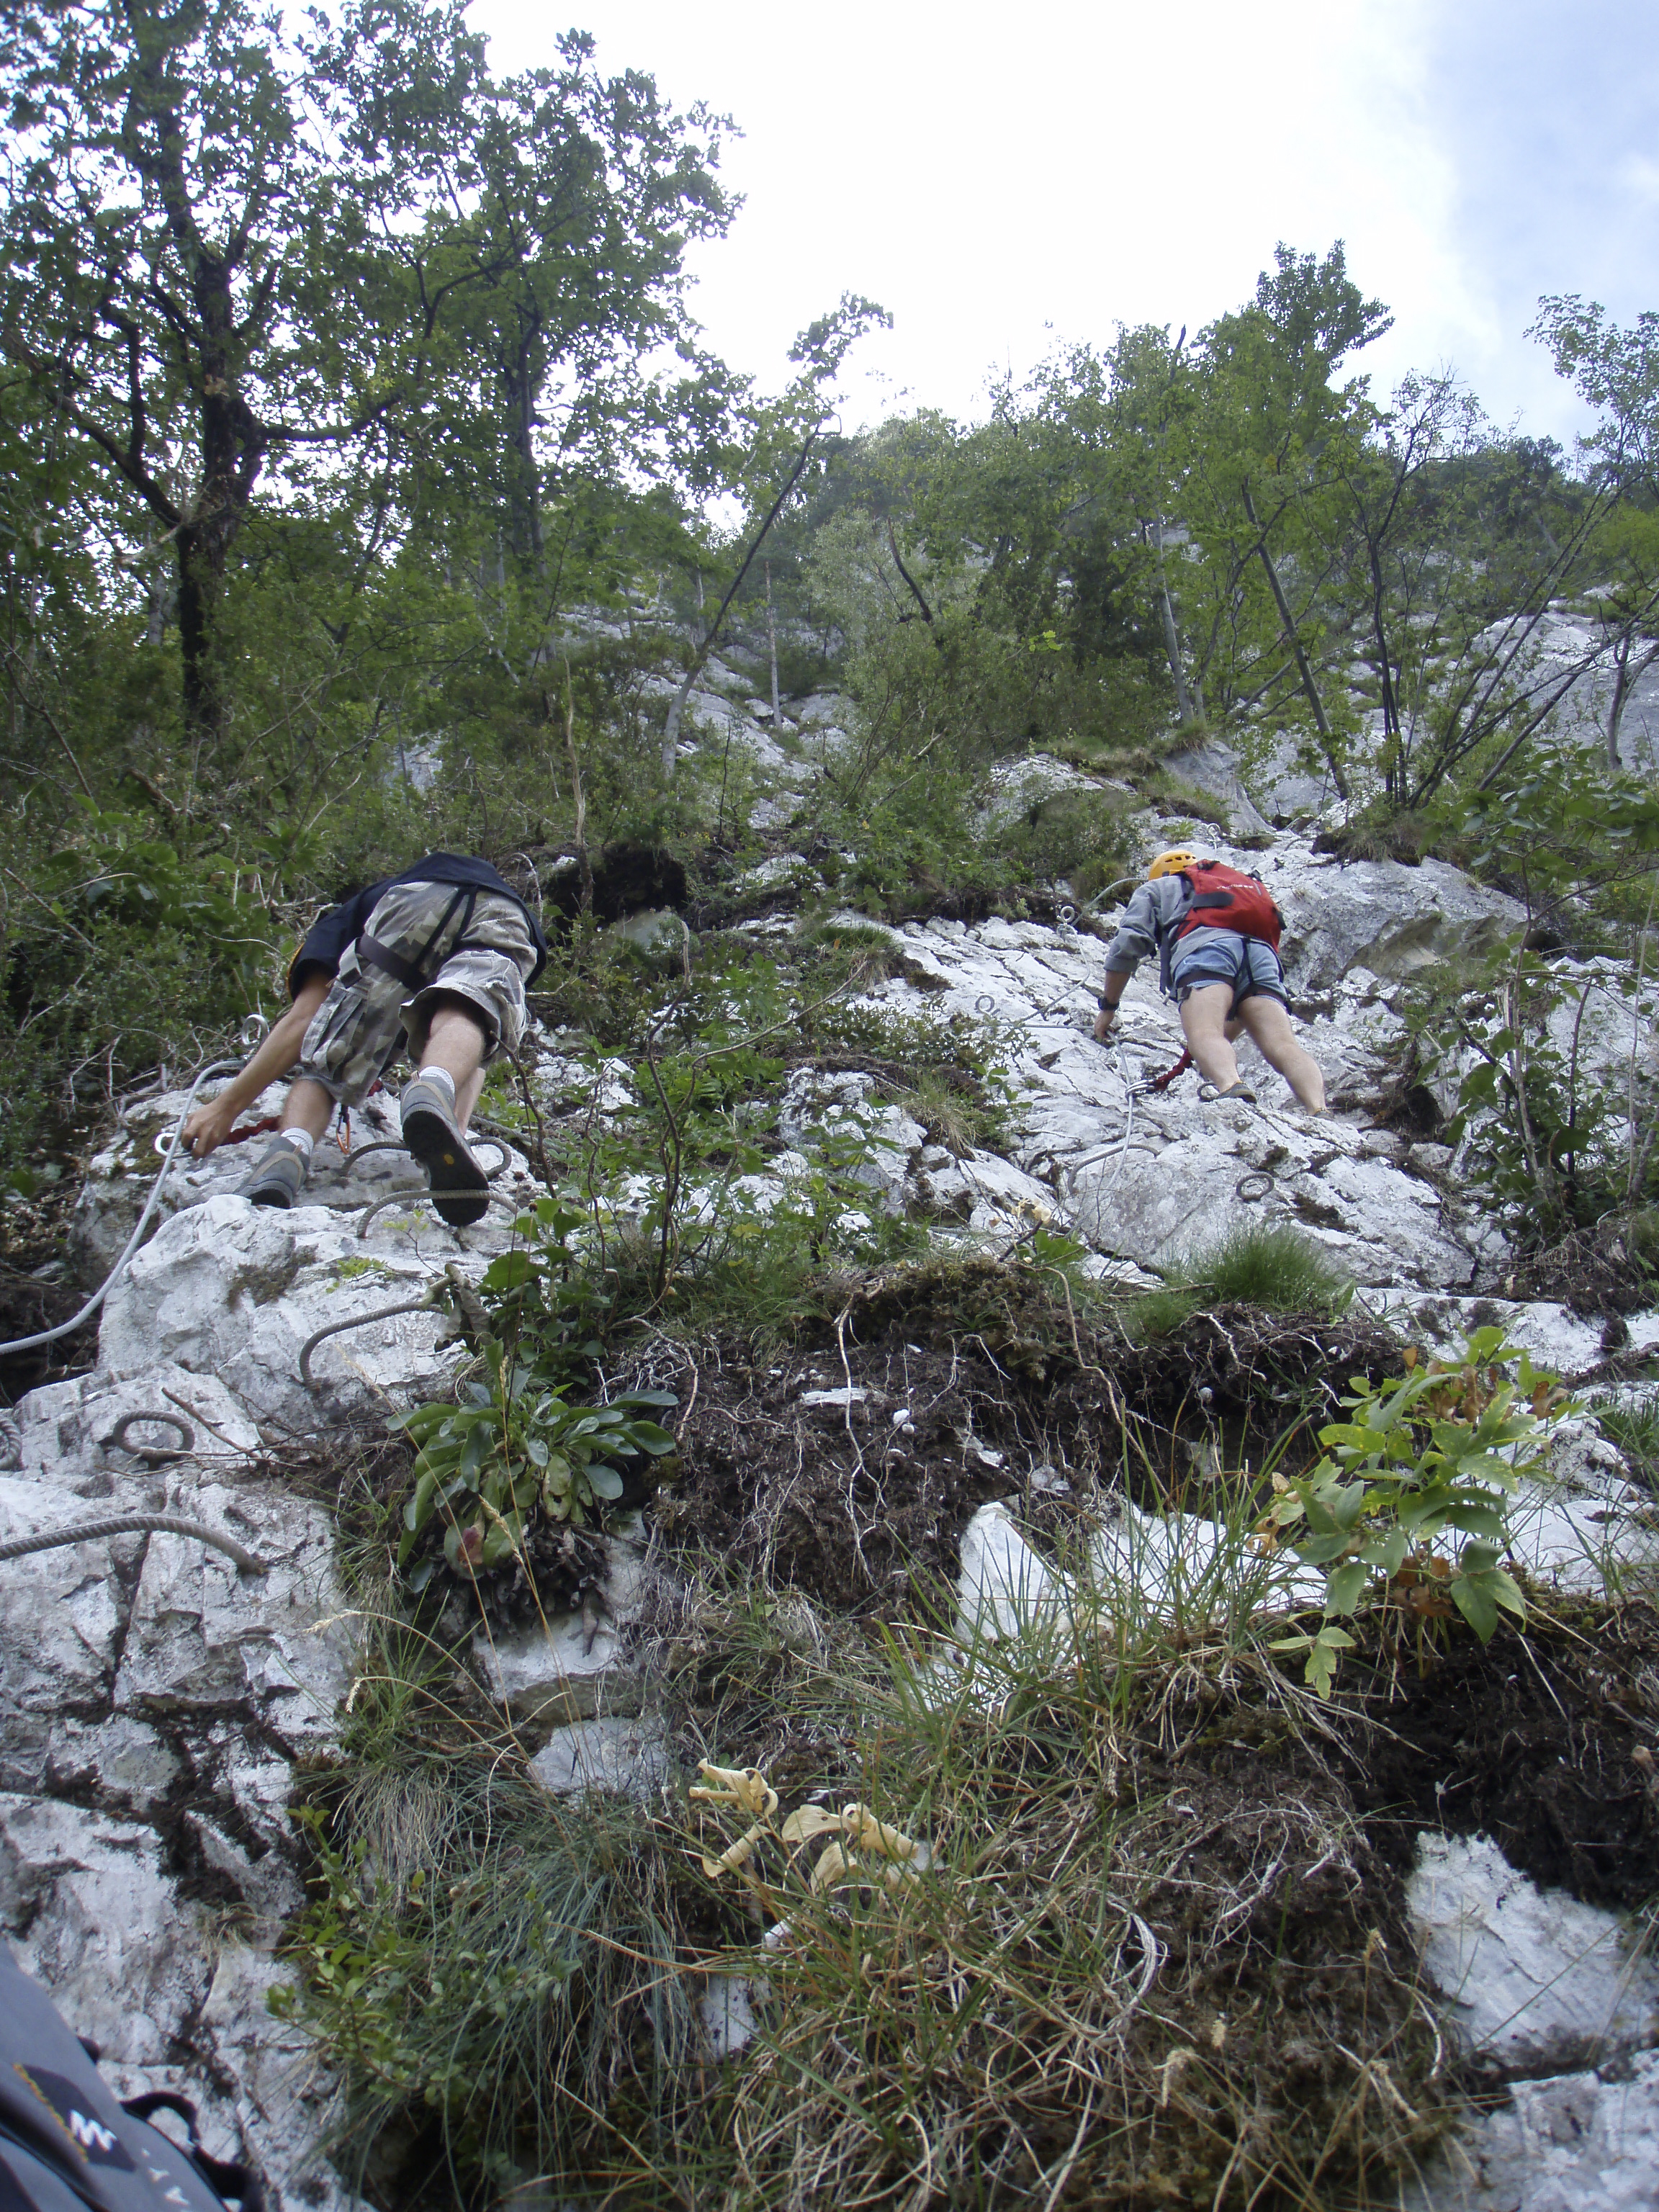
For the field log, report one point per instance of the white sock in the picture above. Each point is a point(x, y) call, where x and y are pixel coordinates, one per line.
point(440, 1075)
point(302, 1139)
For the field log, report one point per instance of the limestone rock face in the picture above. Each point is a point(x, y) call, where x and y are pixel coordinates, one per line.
point(1140, 1173)
point(119, 1178)
point(1213, 768)
point(142, 1674)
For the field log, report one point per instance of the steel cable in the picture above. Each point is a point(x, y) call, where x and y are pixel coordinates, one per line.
point(357, 1321)
point(69, 1328)
point(121, 1524)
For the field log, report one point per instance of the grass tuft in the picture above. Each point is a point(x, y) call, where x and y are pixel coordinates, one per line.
point(1269, 1266)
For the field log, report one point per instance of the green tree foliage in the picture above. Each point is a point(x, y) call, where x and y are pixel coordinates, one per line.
point(237, 254)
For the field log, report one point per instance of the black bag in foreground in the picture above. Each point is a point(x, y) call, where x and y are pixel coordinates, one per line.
point(66, 2143)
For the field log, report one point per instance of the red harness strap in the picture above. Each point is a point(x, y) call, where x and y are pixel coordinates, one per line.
point(254, 1129)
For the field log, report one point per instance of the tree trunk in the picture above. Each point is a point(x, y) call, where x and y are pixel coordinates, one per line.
point(584, 863)
point(772, 650)
point(204, 544)
point(1628, 669)
point(198, 604)
point(518, 376)
point(1304, 666)
point(1385, 669)
point(1184, 711)
point(670, 735)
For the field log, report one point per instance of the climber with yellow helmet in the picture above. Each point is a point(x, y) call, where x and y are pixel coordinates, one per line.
point(1225, 972)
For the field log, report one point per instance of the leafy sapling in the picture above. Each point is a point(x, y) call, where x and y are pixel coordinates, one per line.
point(1414, 1493)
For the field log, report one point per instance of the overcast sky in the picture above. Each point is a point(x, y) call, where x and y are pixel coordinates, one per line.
point(1004, 178)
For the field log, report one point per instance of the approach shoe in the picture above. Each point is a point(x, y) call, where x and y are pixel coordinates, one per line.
point(279, 1177)
point(1240, 1094)
point(460, 1189)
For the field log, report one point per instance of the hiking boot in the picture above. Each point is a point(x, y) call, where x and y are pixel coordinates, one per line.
point(1240, 1094)
point(279, 1177)
point(459, 1185)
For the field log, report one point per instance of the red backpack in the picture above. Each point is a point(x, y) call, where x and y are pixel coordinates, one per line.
point(1226, 898)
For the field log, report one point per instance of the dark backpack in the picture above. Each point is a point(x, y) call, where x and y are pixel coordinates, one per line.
point(1226, 898)
point(66, 2144)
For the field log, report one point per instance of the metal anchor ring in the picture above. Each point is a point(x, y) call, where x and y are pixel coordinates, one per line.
point(154, 1455)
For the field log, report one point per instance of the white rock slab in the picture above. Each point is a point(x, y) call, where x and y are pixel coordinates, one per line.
point(118, 1178)
point(1534, 1976)
point(1572, 2143)
point(234, 1290)
point(1157, 1567)
point(629, 1755)
point(571, 1668)
point(90, 1913)
point(1555, 1337)
point(202, 1635)
point(66, 1428)
point(1005, 1589)
point(727, 2012)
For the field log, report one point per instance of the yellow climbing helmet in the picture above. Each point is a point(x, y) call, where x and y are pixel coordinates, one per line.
point(1170, 863)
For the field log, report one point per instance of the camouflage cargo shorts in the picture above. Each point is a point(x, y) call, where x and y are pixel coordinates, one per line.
point(369, 1017)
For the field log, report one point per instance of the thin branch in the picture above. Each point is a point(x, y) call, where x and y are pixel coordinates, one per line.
point(45, 715)
point(915, 588)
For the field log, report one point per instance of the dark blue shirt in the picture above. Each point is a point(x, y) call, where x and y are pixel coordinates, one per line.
point(330, 934)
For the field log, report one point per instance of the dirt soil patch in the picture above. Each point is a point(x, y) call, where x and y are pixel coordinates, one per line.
point(847, 1470)
point(1547, 1739)
point(1600, 1271)
point(852, 1481)
point(37, 1290)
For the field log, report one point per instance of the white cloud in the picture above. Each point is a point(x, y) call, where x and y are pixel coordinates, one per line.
point(1001, 179)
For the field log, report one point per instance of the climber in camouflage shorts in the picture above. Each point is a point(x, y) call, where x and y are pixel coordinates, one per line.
point(437, 957)
point(360, 1027)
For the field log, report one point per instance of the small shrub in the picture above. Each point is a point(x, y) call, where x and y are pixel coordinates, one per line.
point(1442, 1449)
point(1274, 1267)
point(520, 1993)
point(512, 1449)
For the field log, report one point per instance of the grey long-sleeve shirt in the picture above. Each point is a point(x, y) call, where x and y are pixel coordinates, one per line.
point(1149, 925)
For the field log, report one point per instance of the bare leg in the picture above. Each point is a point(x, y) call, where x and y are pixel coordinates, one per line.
point(1269, 1021)
point(308, 1107)
point(1204, 1024)
point(466, 1096)
point(456, 1042)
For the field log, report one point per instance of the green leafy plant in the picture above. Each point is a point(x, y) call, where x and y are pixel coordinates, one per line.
point(1443, 1449)
point(513, 1447)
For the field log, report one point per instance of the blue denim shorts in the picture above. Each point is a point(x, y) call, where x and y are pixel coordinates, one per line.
point(1245, 963)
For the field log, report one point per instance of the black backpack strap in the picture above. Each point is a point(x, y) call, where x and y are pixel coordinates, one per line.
point(414, 975)
point(227, 2177)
